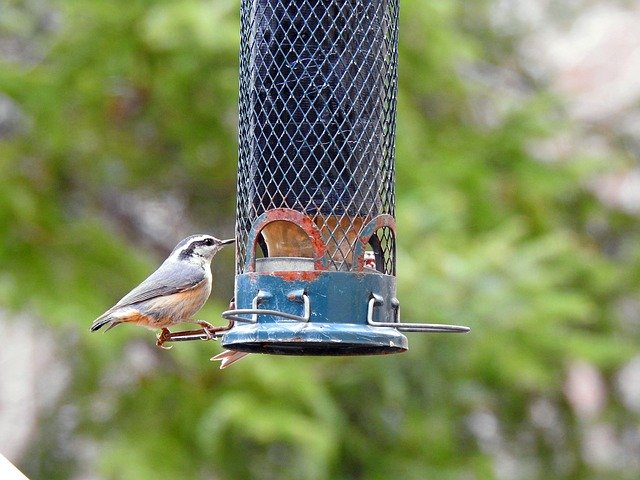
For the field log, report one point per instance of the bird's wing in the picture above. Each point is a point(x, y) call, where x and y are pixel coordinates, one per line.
point(168, 279)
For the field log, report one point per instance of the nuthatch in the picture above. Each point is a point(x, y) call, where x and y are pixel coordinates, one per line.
point(173, 293)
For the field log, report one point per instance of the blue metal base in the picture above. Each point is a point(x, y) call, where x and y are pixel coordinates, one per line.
point(315, 339)
point(337, 314)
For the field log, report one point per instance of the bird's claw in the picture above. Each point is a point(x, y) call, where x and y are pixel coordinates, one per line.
point(210, 331)
point(162, 337)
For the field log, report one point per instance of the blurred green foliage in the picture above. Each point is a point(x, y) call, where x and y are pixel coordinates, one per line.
point(140, 96)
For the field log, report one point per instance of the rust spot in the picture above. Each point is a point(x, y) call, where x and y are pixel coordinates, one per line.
point(307, 276)
point(360, 259)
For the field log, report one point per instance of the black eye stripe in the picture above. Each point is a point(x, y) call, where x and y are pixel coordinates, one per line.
point(205, 242)
point(189, 251)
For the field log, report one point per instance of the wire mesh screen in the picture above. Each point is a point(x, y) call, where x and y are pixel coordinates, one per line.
point(317, 117)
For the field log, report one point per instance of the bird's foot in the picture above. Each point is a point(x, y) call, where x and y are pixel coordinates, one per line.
point(210, 330)
point(162, 337)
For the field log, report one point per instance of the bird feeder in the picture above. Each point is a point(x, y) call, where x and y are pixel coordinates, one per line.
point(315, 230)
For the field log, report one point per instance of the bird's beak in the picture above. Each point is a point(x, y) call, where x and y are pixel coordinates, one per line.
point(227, 242)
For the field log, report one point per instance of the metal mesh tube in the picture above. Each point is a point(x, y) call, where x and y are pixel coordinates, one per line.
point(317, 116)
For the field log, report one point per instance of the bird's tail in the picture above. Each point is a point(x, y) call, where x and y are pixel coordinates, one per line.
point(229, 357)
point(100, 322)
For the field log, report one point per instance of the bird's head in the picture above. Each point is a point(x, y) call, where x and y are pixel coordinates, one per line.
point(199, 248)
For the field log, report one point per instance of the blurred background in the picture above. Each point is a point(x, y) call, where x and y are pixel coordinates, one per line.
point(518, 197)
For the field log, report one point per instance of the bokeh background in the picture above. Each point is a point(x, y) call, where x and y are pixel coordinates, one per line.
point(518, 197)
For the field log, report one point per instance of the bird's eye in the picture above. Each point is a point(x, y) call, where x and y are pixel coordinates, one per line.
point(208, 242)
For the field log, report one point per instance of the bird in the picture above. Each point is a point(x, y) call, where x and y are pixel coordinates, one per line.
point(173, 293)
